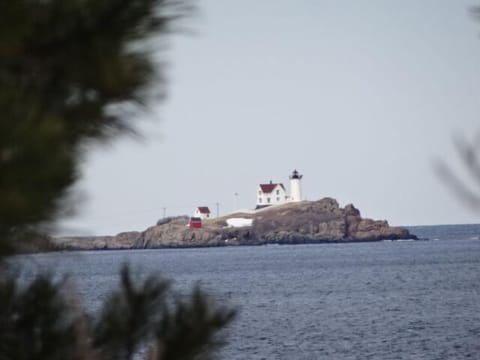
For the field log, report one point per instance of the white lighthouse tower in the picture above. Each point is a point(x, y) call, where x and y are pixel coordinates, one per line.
point(295, 186)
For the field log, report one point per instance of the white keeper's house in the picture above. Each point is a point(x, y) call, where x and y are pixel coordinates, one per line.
point(271, 194)
point(275, 193)
point(202, 212)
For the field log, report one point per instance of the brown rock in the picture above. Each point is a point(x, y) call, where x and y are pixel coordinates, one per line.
point(307, 221)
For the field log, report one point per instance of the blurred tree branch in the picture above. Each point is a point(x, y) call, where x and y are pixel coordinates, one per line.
point(469, 153)
point(40, 321)
point(70, 72)
point(467, 190)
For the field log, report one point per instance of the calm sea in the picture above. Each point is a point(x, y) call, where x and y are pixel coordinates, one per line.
point(384, 300)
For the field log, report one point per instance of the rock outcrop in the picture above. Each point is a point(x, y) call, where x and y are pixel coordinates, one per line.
point(292, 223)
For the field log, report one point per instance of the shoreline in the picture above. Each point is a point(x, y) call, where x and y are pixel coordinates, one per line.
point(176, 247)
point(306, 222)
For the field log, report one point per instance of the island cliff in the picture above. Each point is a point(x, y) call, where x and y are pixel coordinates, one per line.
point(292, 223)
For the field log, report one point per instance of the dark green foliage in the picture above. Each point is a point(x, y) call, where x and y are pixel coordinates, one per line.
point(129, 316)
point(41, 322)
point(73, 71)
point(189, 330)
point(36, 322)
point(70, 71)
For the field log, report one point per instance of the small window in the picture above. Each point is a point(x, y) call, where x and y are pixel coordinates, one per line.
point(259, 192)
point(278, 192)
point(278, 199)
point(268, 200)
point(260, 200)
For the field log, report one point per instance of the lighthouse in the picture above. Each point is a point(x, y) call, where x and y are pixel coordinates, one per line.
point(295, 186)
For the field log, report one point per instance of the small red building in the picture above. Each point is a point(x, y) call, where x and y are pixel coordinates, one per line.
point(195, 223)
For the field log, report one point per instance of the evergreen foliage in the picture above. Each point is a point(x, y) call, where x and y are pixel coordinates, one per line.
point(41, 321)
point(73, 72)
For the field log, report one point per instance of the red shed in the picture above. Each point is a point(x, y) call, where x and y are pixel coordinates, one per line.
point(195, 223)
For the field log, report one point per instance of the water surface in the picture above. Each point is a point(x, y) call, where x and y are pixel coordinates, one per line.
point(384, 300)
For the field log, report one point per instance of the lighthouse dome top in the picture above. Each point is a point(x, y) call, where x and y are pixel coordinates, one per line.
point(295, 175)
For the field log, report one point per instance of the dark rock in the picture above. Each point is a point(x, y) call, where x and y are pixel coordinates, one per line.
point(292, 223)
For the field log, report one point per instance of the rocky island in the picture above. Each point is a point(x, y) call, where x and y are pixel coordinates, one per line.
point(322, 221)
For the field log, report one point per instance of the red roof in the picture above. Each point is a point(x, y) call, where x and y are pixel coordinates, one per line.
point(204, 210)
point(268, 188)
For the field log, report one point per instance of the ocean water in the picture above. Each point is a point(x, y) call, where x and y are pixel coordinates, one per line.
point(382, 300)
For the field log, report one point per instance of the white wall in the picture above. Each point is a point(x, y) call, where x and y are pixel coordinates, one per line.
point(271, 198)
point(239, 222)
point(295, 190)
point(200, 215)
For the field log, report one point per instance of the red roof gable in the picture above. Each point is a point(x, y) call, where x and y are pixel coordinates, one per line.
point(268, 188)
point(204, 210)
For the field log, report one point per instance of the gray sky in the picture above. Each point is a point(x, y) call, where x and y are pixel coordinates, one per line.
point(360, 96)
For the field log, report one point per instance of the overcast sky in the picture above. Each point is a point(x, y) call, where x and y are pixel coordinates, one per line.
point(360, 96)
